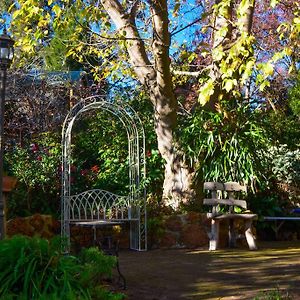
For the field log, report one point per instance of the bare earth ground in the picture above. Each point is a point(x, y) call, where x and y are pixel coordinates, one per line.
point(223, 274)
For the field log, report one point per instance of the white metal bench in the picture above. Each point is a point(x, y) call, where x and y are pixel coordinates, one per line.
point(223, 201)
point(101, 209)
point(99, 206)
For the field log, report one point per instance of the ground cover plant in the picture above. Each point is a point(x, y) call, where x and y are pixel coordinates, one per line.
point(275, 294)
point(35, 269)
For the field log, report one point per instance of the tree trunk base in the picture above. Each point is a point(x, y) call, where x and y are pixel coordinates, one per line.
point(178, 185)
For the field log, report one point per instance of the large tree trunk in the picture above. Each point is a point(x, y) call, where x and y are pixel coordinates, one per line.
point(177, 187)
point(157, 80)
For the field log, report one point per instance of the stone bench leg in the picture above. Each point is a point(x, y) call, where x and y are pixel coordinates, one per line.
point(249, 235)
point(214, 235)
point(231, 234)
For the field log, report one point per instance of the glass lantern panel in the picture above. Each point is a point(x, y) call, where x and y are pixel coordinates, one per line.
point(4, 53)
point(11, 53)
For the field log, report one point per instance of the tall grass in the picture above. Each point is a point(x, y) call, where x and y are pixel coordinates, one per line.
point(34, 268)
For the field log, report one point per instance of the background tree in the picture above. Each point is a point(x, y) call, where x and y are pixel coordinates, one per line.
point(137, 34)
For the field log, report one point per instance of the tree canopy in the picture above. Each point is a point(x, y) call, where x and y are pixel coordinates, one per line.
point(236, 59)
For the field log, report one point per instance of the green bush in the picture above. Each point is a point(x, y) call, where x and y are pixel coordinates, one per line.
point(36, 165)
point(100, 153)
point(33, 268)
point(285, 164)
point(225, 146)
point(99, 160)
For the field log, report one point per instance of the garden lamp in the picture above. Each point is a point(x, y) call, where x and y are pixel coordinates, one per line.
point(6, 50)
point(6, 56)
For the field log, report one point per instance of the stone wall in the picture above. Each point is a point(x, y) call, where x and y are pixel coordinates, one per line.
point(44, 226)
point(191, 230)
point(188, 230)
point(181, 231)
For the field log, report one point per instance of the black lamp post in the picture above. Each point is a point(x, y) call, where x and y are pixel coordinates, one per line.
point(6, 56)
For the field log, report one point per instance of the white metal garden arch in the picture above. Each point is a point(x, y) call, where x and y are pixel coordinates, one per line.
point(136, 199)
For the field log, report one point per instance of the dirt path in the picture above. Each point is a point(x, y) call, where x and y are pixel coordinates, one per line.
point(200, 274)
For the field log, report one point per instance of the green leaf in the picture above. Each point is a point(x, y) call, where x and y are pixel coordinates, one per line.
point(56, 9)
point(264, 84)
point(228, 84)
point(218, 53)
point(206, 91)
point(268, 69)
point(273, 3)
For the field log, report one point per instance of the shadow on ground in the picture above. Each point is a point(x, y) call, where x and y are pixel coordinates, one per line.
point(223, 274)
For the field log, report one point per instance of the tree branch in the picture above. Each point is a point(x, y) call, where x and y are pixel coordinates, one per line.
point(187, 26)
point(161, 42)
point(247, 18)
point(135, 46)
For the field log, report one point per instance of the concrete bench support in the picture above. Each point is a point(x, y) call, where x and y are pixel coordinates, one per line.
point(223, 195)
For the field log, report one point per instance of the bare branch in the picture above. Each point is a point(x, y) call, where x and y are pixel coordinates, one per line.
point(135, 46)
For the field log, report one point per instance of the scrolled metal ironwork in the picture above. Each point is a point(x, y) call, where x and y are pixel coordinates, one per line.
point(96, 203)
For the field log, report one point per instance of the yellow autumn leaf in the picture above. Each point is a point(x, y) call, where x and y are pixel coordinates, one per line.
point(273, 3)
point(205, 92)
point(56, 9)
point(229, 84)
point(268, 69)
point(27, 48)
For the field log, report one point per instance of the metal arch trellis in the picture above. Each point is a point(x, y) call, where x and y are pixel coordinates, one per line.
point(137, 165)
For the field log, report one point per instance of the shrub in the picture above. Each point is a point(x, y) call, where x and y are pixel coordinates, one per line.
point(283, 169)
point(223, 146)
point(36, 166)
point(276, 294)
point(33, 268)
point(286, 164)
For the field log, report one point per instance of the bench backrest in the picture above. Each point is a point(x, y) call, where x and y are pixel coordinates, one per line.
point(99, 205)
point(224, 194)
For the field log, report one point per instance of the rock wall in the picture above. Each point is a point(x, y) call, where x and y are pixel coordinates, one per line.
point(188, 230)
point(41, 225)
point(46, 226)
point(183, 231)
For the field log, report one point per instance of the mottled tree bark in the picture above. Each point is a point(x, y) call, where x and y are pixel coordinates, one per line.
point(156, 78)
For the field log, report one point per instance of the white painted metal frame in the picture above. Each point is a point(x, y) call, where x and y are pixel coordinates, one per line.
point(95, 203)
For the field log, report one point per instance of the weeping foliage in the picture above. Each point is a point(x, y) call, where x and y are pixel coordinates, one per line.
point(225, 146)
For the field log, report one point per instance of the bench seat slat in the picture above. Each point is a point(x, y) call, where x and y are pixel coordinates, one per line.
point(74, 221)
point(235, 202)
point(214, 186)
point(234, 187)
point(236, 216)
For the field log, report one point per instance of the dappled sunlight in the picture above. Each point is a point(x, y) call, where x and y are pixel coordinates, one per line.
point(201, 274)
point(237, 272)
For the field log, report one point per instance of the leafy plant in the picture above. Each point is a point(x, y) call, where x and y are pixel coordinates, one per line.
point(224, 145)
point(285, 164)
point(294, 97)
point(36, 165)
point(33, 268)
point(266, 203)
point(273, 295)
point(100, 153)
